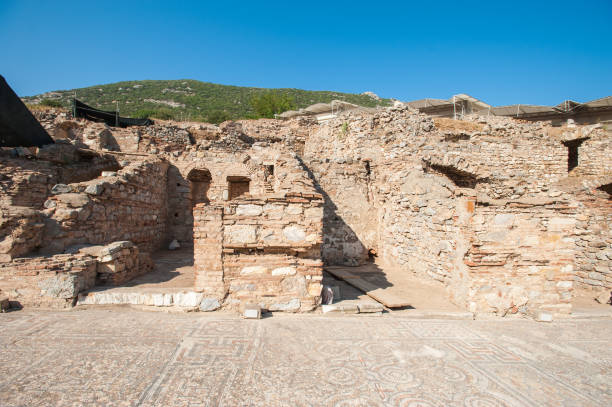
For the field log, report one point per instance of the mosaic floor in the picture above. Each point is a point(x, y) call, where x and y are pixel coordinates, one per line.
point(124, 357)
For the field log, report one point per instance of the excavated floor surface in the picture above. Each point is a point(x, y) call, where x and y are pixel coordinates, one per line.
point(171, 283)
point(125, 357)
point(411, 290)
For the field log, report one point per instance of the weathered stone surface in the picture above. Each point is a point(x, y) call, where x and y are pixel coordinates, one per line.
point(543, 316)
point(174, 245)
point(209, 304)
point(284, 271)
point(604, 297)
point(484, 206)
point(94, 189)
point(342, 309)
point(176, 344)
point(254, 270)
point(290, 306)
point(61, 189)
point(252, 311)
point(241, 234)
point(294, 233)
point(249, 210)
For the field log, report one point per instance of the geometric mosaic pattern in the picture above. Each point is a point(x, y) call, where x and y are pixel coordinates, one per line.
point(123, 357)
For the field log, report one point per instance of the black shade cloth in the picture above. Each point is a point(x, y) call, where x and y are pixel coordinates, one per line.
point(108, 117)
point(18, 127)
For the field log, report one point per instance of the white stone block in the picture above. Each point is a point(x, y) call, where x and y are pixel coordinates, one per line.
point(189, 299)
point(254, 270)
point(294, 233)
point(543, 316)
point(284, 271)
point(252, 312)
point(249, 210)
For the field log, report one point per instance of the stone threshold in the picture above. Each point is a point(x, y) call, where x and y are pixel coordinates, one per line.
point(184, 298)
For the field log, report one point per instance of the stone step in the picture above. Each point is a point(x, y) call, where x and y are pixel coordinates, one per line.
point(353, 308)
point(183, 299)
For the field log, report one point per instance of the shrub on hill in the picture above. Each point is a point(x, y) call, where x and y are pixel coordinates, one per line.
point(270, 103)
point(51, 103)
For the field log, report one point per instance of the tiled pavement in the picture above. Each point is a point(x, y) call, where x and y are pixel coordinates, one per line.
point(123, 357)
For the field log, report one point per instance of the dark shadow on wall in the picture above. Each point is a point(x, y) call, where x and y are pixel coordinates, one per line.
point(572, 152)
point(606, 188)
point(110, 142)
point(333, 251)
point(180, 211)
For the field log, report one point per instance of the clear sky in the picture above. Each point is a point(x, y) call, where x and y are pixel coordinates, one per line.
point(504, 52)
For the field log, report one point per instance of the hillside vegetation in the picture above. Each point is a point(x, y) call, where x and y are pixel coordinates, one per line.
point(193, 100)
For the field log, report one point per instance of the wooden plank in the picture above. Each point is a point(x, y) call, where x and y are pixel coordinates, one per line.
point(382, 295)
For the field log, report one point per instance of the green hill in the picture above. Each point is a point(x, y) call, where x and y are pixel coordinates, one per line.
point(189, 99)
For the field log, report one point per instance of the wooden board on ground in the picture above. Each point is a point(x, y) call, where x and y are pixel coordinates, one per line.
point(370, 282)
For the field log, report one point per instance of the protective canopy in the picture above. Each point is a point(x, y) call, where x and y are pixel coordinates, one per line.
point(18, 127)
point(108, 117)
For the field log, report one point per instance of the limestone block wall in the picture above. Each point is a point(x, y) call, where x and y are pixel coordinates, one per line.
point(130, 205)
point(521, 257)
point(26, 182)
point(350, 217)
point(118, 263)
point(420, 225)
point(594, 242)
point(268, 251)
point(503, 165)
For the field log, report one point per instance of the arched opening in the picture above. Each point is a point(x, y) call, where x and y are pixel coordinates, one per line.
point(199, 180)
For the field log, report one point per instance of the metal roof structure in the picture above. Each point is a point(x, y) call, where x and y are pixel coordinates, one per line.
point(457, 106)
point(568, 109)
point(319, 109)
point(461, 104)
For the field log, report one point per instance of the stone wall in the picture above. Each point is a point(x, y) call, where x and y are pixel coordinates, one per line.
point(594, 242)
point(118, 262)
point(420, 224)
point(506, 214)
point(27, 180)
point(127, 205)
point(270, 169)
point(55, 281)
point(521, 256)
point(268, 251)
point(50, 282)
point(423, 195)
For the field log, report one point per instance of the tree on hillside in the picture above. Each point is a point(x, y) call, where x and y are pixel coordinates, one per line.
point(218, 116)
point(51, 103)
point(270, 103)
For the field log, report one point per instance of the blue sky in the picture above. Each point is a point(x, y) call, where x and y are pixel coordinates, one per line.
point(537, 52)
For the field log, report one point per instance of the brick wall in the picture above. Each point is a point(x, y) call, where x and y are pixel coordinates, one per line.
point(50, 282)
point(521, 256)
point(266, 251)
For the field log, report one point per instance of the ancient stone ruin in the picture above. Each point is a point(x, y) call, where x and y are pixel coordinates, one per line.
point(510, 217)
